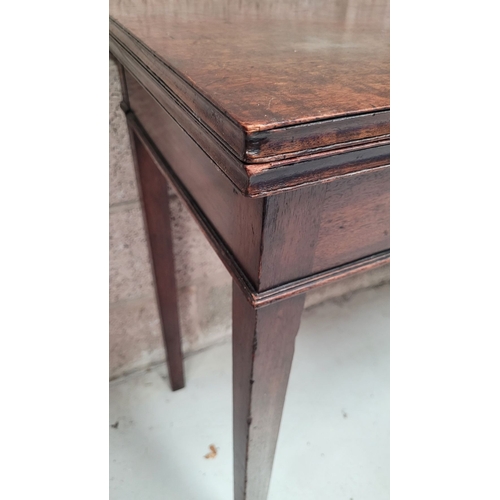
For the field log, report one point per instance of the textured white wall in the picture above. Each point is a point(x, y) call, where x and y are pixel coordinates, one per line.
point(203, 282)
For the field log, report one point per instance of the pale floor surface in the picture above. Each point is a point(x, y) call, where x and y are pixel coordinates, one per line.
point(334, 438)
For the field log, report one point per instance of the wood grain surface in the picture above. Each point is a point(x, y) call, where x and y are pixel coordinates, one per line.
point(271, 80)
point(153, 106)
point(255, 298)
point(280, 238)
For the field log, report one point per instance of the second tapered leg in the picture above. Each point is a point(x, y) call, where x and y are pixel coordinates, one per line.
point(154, 193)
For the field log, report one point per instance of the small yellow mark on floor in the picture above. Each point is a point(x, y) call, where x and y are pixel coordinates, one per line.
point(212, 453)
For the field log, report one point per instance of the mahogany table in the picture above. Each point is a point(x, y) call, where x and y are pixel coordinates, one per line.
point(271, 120)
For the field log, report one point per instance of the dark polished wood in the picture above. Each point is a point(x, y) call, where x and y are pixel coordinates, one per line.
point(275, 84)
point(155, 203)
point(263, 346)
point(268, 64)
point(271, 120)
point(274, 174)
point(255, 298)
point(319, 227)
point(344, 219)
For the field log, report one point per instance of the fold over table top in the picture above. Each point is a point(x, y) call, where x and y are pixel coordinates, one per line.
point(274, 82)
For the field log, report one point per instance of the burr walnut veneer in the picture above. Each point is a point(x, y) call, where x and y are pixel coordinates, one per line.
point(271, 121)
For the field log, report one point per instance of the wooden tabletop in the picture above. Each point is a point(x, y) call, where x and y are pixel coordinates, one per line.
point(271, 79)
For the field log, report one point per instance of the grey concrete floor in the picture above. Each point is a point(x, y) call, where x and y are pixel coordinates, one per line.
point(334, 438)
